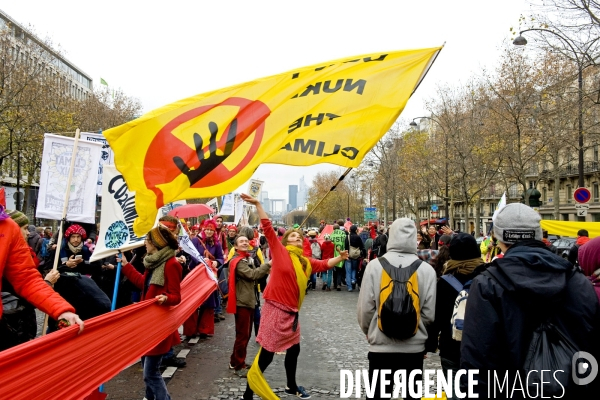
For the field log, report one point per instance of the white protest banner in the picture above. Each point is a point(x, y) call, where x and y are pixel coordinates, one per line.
point(117, 216)
point(228, 206)
point(214, 204)
point(254, 188)
point(107, 156)
point(56, 161)
point(239, 210)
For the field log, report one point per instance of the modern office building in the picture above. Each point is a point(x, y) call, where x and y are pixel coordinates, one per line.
point(292, 197)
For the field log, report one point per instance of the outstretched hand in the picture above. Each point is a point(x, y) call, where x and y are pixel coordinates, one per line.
point(249, 199)
point(344, 254)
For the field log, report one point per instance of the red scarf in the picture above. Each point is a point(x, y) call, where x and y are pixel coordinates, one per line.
point(231, 302)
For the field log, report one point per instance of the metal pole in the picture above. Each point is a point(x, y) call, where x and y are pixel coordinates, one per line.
point(341, 178)
point(580, 182)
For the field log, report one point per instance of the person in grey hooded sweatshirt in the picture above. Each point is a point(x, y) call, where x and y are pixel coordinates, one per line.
point(385, 352)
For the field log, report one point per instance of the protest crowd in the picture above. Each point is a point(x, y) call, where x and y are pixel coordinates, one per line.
point(516, 286)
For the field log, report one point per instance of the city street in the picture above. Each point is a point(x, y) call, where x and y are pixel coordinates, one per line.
point(331, 340)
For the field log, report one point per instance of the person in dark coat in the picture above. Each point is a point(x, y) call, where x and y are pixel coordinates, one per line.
point(352, 263)
point(464, 264)
point(76, 272)
point(582, 238)
point(516, 294)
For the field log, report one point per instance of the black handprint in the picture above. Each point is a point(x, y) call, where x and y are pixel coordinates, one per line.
point(213, 160)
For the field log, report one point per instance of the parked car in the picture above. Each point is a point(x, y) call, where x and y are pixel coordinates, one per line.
point(553, 238)
point(563, 245)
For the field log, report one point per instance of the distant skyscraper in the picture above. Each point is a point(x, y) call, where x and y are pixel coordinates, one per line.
point(265, 201)
point(302, 194)
point(292, 197)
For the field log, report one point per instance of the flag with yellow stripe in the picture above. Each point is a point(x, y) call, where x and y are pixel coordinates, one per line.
point(210, 144)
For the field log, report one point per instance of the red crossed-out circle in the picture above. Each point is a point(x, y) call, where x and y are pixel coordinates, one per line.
point(159, 167)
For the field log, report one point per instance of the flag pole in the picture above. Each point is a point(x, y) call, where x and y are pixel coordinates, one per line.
point(341, 178)
point(64, 216)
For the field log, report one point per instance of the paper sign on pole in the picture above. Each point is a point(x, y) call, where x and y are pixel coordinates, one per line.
point(116, 219)
point(56, 160)
point(107, 156)
point(254, 188)
point(228, 206)
point(239, 209)
point(214, 204)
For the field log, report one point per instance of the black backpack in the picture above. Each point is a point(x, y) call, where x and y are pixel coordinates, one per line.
point(550, 349)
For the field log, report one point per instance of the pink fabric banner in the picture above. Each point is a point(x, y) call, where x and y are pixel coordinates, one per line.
point(65, 365)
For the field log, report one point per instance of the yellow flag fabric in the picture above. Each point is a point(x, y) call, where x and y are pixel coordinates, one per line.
point(257, 381)
point(570, 228)
point(210, 144)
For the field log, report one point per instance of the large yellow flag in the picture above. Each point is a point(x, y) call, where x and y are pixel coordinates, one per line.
point(210, 144)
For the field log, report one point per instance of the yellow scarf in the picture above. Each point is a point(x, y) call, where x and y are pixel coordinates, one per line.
point(303, 270)
point(256, 379)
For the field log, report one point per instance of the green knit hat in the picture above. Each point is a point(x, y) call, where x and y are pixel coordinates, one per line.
point(20, 218)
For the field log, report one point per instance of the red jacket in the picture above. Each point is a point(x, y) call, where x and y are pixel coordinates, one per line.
point(327, 249)
point(283, 285)
point(16, 265)
point(171, 289)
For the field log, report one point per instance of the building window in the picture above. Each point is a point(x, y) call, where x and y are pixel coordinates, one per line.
point(569, 195)
point(596, 192)
point(595, 217)
point(596, 152)
point(544, 195)
point(531, 184)
point(564, 217)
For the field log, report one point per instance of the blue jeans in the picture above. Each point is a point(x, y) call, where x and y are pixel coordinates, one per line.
point(327, 277)
point(351, 269)
point(219, 308)
point(313, 280)
point(156, 389)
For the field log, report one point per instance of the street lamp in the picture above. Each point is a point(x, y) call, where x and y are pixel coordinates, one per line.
point(414, 124)
point(521, 41)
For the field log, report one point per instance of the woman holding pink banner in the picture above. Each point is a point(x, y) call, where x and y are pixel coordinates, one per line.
point(161, 281)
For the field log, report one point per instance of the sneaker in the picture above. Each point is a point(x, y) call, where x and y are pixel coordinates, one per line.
point(242, 373)
point(324, 287)
point(300, 392)
point(173, 362)
point(339, 289)
point(203, 336)
point(328, 290)
point(221, 317)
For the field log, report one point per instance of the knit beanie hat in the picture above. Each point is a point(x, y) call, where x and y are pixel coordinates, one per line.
point(31, 228)
point(464, 247)
point(20, 218)
point(157, 239)
point(517, 222)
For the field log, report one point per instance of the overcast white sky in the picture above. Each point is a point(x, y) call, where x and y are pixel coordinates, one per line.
point(163, 51)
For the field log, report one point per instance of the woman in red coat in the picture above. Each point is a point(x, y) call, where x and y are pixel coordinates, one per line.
point(161, 281)
point(284, 295)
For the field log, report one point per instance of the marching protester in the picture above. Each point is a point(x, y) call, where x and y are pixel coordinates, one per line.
point(202, 321)
point(528, 297)
point(243, 298)
point(582, 238)
point(77, 276)
point(489, 248)
point(589, 261)
point(393, 348)
point(327, 252)
point(338, 237)
point(356, 251)
point(316, 253)
point(464, 264)
point(161, 281)
point(231, 234)
point(280, 330)
point(19, 277)
point(221, 234)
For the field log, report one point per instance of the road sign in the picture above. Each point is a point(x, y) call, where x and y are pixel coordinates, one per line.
point(434, 207)
point(370, 213)
point(582, 212)
point(580, 206)
point(582, 195)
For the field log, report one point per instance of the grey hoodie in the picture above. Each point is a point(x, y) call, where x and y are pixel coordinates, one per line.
point(401, 251)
